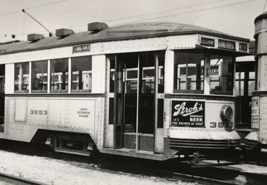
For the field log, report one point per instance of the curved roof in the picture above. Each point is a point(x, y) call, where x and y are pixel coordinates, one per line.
point(261, 16)
point(123, 32)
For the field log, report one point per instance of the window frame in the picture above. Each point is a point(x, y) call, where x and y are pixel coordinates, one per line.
point(206, 72)
point(47, 77)
point(233, 61)
point(29, 85)
point(175, 90)
point(67, 79)
point(90, 71)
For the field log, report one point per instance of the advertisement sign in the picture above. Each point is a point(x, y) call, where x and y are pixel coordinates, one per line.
point(188, 113)
point(255, 112)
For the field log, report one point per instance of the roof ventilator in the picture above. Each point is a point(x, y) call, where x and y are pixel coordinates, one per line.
point(64, 32)
point(97, 26)
point(35, 37)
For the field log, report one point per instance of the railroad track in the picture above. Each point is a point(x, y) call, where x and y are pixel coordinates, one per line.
point(171, 170)
point(207, 175)
point(11, 179)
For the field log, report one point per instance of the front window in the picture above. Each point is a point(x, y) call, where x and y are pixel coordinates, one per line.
point(81, 74)
point(148, 80)
point(251, 82)
point(131, 78)
point(22, 77)
point(221, 80)
point(39, 76)
point(239, 83)
point(59, 75)
point(188, 72)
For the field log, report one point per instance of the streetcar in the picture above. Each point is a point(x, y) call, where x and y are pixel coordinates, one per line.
point(146, 90)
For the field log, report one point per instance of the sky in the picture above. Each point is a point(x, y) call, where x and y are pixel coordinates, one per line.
point(235, 17)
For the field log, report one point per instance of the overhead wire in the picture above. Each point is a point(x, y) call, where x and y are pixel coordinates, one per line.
point(264, 6)
point(191, 11)
point(45, 4)
point(184, 7)
point(170, 10)
point(216, 7)
point(37, 6)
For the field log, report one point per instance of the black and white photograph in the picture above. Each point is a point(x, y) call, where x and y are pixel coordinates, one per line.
point(151, 92)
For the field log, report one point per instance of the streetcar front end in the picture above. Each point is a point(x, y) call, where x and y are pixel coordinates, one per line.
point(200, 108)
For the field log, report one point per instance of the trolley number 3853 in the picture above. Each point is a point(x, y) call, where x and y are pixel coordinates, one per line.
point(38, 112)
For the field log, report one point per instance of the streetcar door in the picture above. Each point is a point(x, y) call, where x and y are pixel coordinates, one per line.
point(2, 97)
point(130, 89)
point(244, 84)
point(137, 107)
point(118, 103)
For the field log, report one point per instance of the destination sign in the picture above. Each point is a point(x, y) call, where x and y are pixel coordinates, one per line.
point(81, 48)
point(207, 42)
point(225, 44)
point(243, 47)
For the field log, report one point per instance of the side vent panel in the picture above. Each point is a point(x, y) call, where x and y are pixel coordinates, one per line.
point(64, 32)
point(35, 37)
point(97, 26)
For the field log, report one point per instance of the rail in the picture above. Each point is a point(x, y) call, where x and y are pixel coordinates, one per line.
point(172, 170)
point(11, 179)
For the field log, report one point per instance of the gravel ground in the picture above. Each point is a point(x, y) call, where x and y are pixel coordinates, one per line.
point(52, 171)
point(249, 168)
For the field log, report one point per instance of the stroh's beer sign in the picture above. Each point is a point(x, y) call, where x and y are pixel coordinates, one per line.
point(188, 113)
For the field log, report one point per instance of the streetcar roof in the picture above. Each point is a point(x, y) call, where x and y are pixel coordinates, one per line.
point(123, 32)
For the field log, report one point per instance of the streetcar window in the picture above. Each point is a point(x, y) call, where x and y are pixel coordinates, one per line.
point(112, 74)
point(59, 75)
point(131, 74)
point(81, 74)
point(239, 83)
point(147, 63)
point(161, 59)
point(148, 80)
point(21, 77)
point(188, 72)
point(39, 76)
point(251, 82)
point(221, 81)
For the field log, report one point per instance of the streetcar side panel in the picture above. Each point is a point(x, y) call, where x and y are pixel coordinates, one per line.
point(203, 125)
point(26, 113)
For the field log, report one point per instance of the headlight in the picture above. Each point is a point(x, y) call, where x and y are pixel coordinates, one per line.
point(226, 113)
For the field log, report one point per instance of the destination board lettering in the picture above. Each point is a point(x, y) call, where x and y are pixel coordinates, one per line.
point(81, 48)
point(225, 44)
point(207, 42)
